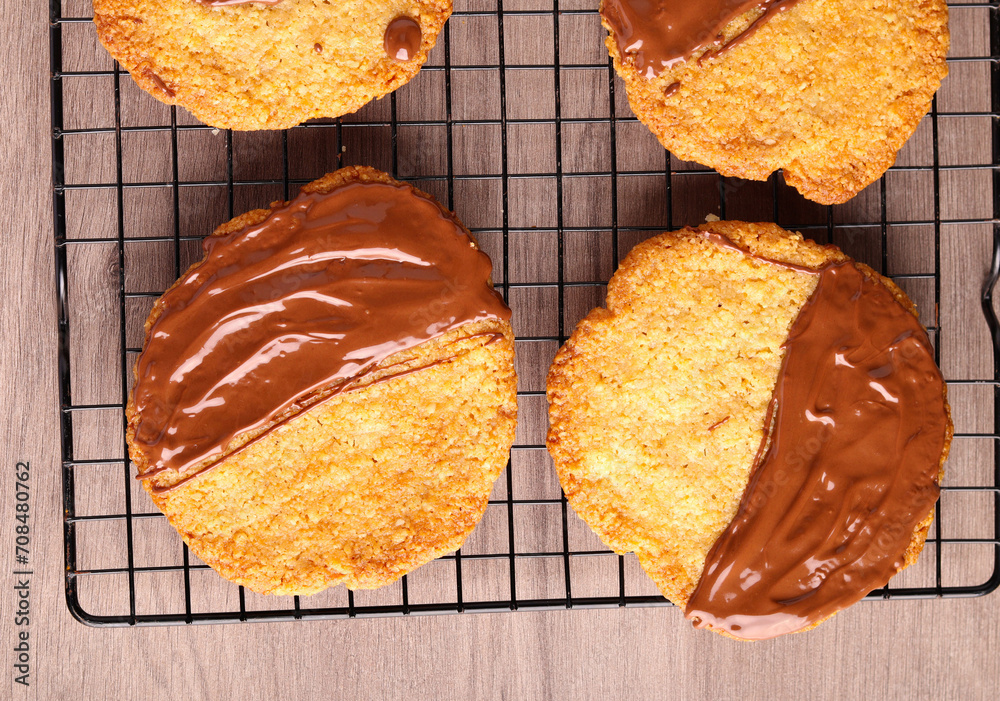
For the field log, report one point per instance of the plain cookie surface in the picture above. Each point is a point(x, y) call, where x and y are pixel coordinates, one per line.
point(256, 66)
point(828, 90)
point(658, 401)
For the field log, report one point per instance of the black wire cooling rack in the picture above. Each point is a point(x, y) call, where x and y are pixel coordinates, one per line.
point(519, 124)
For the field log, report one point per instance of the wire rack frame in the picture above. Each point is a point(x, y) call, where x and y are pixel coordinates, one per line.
point(513, 558)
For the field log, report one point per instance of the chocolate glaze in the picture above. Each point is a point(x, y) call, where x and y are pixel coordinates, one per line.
point(386, 372)
point(845, 473)
point(402, 38)
point(282, 313)
point(660, 34)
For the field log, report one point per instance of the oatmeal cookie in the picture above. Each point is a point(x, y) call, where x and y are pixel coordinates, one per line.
point(827, 90)
point(329, 395)
point(269, 65)
point(665, 419)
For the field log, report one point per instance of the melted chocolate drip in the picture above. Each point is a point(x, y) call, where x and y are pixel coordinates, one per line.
point(402, 38)
point(845, 473)
point(159, 82)
point(312, 298)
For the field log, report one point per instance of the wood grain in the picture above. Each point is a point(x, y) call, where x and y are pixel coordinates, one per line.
point(897, 649)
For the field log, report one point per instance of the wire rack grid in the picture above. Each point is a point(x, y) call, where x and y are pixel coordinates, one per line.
point(518, 123)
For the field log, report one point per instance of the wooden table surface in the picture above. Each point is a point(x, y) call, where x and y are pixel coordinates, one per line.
point(897, 649)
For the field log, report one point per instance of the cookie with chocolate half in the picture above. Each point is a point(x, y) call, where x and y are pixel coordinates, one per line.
point(269, 64)
point(759, 418)
point(329, 395)
point(828, 90)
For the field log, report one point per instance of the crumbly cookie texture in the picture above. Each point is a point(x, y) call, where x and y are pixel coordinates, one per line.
point(657, 403)
point(256, 66)
point(366, 485)
point(828, 90)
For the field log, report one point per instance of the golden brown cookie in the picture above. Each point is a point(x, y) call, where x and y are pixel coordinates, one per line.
point(827, 90)
point(258, 65)
point(369, 295)
point(660, 402)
